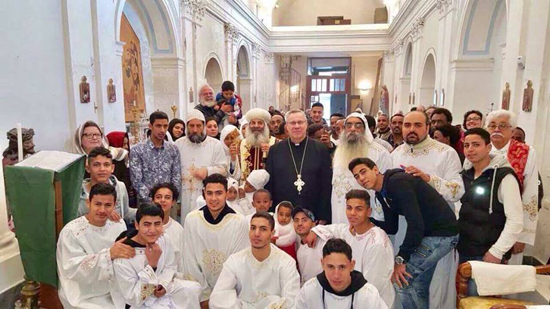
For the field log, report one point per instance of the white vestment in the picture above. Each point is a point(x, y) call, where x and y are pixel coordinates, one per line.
point(442, 164)
point(209, 154)
point(311, 297)
point(136, 281)
point(84, 264)
point(248, 283)
point(207, 246)
point(309, 260)
point(343, 181)
point(174, 230)
point(372, 252)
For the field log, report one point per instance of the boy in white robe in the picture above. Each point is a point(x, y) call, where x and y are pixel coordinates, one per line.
point(254, 182)
point(166, 195)
point(148, 280)
point(212, 234)
point(85, 250)
point(372, 249)
point(339, 285)
point(261, 201)
point(261, 276)
point(309, 259)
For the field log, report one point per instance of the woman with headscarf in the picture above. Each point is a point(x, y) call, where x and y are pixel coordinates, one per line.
point(119, 139)
point(231, 139)
point(176, 129)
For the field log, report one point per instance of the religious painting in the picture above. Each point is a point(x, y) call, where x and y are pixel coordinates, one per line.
point(132, 70)
point(111, 91)
point(84, 89)
point(506, 94)
point(384, 99)
point(528, 97)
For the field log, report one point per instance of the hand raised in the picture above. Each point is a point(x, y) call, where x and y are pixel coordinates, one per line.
point(153, 253)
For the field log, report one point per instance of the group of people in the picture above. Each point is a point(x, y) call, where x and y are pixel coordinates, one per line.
point(274, 210)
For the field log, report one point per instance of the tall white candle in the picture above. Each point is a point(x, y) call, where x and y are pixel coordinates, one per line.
point(19, 142)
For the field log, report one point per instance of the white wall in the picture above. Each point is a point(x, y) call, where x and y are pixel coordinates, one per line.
point(364, 70)
point(305, 13)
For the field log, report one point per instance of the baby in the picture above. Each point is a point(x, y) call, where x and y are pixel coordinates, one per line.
point(285, 237)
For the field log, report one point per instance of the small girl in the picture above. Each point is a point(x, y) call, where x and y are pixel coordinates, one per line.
point(239, 205)
point(285, 237)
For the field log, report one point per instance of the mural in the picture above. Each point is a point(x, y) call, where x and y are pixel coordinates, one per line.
point(132, 70)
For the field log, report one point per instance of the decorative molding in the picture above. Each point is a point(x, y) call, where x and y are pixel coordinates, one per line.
point(269, 57)
point(195, 8)
point(232, 33)
point(417, 28)
point(388, 55)
point(443, 5)
point(256, 50)
point(119, 48)
point(503, 49)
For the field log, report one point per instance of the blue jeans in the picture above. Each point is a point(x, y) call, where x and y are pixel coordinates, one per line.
point(421, 267)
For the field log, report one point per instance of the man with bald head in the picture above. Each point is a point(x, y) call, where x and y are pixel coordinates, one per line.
point(209, 107)
point(438, 165)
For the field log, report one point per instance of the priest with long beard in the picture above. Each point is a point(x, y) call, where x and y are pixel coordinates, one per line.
point(354, 142)
point(255, 146)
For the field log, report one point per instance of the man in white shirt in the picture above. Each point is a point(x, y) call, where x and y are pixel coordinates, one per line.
point(211, 234)
point(262, 276)
point(372, 249)
point(309, 259)
point(85, 250)
point(339, 285)
point(148, 280)
point(166, 195)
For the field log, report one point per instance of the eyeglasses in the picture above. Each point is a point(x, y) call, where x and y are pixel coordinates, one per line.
point(357, 125)
point(473, 119)
point(296, 123)
point(91, 135)
point(501, 126)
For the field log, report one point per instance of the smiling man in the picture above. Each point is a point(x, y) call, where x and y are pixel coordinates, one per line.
point(254, 148)
point(262, 276)
point(339, 285)
point(148, 280)
point(212, 233)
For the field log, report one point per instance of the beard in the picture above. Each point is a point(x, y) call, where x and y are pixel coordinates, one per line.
point(255, 138)
point(209, 103)
point(196, 138)
point(350, 146)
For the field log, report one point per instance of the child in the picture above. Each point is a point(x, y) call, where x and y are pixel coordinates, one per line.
point(148, 279)
point(261, 201)
point(239, 205)
point(255, 181)
point(228, 93)
point(285, 237)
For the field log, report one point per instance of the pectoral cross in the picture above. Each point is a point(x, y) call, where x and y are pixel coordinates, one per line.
point(299, 183)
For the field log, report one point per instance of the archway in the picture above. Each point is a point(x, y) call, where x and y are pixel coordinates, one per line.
point(244, 78)
point(427, 86)
point(213, 74)
point(404, 98)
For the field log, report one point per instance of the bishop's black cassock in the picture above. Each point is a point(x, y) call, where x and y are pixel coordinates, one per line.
point(316, 173)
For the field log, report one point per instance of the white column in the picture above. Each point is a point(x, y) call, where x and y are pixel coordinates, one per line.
point(11, 269)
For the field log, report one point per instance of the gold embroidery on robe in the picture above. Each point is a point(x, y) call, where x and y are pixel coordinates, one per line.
point(146, 291)
point(213, 260)
point(531, 208)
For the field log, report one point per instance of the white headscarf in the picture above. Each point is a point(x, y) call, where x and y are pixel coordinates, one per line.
point(368, 133)
point(258, 179)
point(226, 131)
point(118, 154)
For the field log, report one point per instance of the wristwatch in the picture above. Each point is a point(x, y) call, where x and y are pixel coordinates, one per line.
point(399, 260)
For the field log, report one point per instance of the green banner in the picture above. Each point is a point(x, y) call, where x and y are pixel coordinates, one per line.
point(31, 195)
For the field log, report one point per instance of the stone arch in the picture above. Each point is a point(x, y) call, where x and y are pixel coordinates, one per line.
point(427, 82)
point(213, 73)
point(244, 76)
point(408, 61)
point(482, 23)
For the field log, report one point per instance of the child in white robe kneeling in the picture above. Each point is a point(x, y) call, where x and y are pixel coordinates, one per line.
point(338, 286)
point(148, 280)
point(285, 236)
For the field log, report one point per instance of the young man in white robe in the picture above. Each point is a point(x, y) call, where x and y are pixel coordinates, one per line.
point(201, 156)
point(148, 280)
point(261, 276)
point(339, 285)
point(356, 141)
point(211, 235)
point(438, 165)
point(372, 249)
point(166, 195)
point(309, 259)
point(85, 250)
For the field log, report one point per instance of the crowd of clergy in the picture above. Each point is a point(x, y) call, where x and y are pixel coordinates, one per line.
point(263, 209)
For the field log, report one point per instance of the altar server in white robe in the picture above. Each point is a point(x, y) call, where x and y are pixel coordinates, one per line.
point(339, 285)
point(261, 276)
point(355, 142)
point(201, 155)
point(85, 250)
point(309, 259)
point(166, 195)
point(211, 235)
point(439, 165)
point(148, 280)
point(372, 249)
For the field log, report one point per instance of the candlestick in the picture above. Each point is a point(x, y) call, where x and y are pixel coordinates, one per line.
point(174, 110)
point(19, 142)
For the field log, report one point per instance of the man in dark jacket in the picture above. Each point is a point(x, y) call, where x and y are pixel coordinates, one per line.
point(432, 230)
point(207, 105)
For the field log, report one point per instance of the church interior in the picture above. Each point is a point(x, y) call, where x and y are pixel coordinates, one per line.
point(65, 62)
